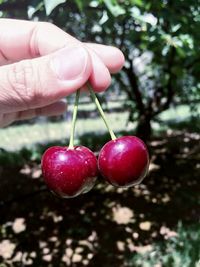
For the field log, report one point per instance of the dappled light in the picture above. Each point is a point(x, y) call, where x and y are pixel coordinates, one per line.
point(122, 215)
point(39, 228)
point(154, 96)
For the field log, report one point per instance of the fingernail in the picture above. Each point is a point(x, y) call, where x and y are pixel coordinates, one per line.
point(70, 63)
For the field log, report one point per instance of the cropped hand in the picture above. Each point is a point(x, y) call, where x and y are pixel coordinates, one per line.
point(40, 65)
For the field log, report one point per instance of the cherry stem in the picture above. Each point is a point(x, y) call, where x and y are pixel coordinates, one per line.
point(96, 101)
point(75, 110)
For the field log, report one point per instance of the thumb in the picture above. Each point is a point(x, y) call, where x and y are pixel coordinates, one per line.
point(41, 81)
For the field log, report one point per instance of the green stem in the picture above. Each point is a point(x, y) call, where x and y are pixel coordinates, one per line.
point(75, 110)
point(96, 101)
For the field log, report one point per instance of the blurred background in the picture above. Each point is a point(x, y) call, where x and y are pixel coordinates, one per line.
point(157, 97)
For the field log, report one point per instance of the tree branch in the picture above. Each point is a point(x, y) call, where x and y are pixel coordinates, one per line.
point(170, 83)
point(123, 34)
point(133, 80)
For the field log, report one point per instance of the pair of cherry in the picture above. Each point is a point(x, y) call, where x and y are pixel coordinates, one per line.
point(71, 171)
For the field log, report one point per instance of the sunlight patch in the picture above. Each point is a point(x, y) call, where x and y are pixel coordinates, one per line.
point(19, 225)
point(122, 215)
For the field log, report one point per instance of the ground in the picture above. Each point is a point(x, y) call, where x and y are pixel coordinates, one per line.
point(141, 226)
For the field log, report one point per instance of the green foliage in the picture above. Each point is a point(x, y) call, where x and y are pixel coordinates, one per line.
point(160, 40)
point(182, 250)
point(15, 159)
point(115, 9)
point(192, 124)
point(50, 5)
point(25, 154)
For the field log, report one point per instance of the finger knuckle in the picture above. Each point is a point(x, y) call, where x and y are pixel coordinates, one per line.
point(46, 26)
point(21, 79)
point(39, 31)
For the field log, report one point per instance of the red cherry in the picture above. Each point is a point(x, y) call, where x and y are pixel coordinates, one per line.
point(69, 172)
point(124, 161)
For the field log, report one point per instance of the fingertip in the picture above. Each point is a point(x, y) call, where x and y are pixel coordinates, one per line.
point(100, 85)
point(111, 56)
point(119, 63)
point(100, 78)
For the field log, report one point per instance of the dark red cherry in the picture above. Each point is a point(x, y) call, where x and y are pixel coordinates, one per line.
point(124, 161)
point(69, 172)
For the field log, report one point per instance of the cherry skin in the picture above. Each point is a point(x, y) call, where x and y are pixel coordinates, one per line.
point(69, 172)
point(124, 161)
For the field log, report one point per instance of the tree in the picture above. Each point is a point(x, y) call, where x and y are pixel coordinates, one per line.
point(160, 40)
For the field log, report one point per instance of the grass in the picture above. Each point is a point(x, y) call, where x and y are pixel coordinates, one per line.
point(135, 227)
point(182, 250)
point(179, 112)
point(15, 137)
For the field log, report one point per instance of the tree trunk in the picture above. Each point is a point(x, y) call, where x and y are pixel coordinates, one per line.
point(144, 129)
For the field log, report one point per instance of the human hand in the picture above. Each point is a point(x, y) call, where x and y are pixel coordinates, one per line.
point(40, 64)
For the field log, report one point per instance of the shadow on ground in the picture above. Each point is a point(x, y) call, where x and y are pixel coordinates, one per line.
point(107, 226)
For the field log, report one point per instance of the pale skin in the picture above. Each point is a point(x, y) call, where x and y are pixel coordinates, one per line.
point(40, 64)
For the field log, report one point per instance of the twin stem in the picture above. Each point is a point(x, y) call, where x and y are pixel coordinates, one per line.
point(75, 111)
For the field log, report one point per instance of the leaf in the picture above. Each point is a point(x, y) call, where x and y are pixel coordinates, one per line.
point(137, 2)
point(104, 18)
point(114, 8)
point(176, 27)
point(33, 9)
point(79, 4)
point(50, 5)
point(94, 3)
point(181, 52)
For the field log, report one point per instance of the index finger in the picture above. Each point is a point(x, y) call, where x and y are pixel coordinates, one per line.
point(21, 39)
point(27, 39)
